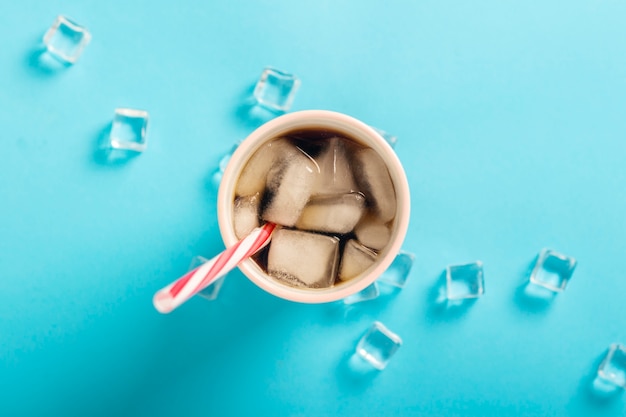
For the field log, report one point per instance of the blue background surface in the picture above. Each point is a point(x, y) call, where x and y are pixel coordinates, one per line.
point(510, 119)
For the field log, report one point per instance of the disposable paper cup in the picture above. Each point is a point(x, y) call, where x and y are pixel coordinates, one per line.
point(351, 128)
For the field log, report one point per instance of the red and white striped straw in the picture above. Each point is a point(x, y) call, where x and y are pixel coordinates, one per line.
point(179, 291)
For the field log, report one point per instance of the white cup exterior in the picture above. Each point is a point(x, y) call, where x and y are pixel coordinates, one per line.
point(312, 119)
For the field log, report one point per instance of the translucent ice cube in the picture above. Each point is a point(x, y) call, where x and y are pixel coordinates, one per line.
point(254, 174)
point(212, 291)
point(374, 181)
point(216, 178)
point(372, 232)
point(225, 159)
point(613, 366)
point(332, 213)
point(378, 345)
point(368, 293)
point(276, 89)
point(303, 259)
point(246, 215)
point(356, 258)
point(65, 40)
point(288, 188)
point(128, 131)
point(465, 281)
point(552, 270)
point(399, 270)
point(335, 170)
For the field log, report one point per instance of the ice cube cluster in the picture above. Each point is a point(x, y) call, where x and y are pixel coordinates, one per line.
point(333, 198)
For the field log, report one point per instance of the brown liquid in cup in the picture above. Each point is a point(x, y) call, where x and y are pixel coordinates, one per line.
point(333, 199)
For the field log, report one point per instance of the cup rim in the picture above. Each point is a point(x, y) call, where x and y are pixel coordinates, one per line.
point(353, 128)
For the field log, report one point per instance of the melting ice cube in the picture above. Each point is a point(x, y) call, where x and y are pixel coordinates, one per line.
point(335, 171)
point(374, 181)
point(333, 213)
point(356, 259)
point(303, 259)
point(289, 185)
point(253, 177)
point(246, 215)
point(372, 233)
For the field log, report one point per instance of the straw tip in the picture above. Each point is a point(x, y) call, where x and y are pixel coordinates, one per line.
point(162, 303)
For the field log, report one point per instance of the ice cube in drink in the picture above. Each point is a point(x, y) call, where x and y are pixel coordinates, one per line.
point(333, 201)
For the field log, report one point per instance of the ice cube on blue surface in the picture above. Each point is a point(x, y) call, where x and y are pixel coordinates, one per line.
point(368, 293)
point(225, 159)
point(465, 281)
point(65, 39)
point(378, 345)
point(129, 130)
point(276, 89)
point(212, 291)
point(552, 270)
point(399, 270)
point(222, 164)
point(613, 366)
